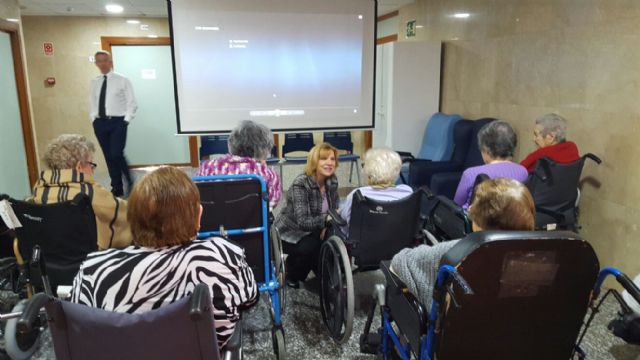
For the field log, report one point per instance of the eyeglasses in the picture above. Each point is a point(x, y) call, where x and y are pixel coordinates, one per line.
point(93, 165)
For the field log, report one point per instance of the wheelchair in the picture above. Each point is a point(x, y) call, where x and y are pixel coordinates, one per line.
point(377, 231)
point(497, 295)
point(445, 220)
point(555, 192)
point(65, 232)
point(181, 330)
point(236, 207)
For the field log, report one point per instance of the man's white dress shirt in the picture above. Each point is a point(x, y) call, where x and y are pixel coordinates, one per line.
point(119, 100)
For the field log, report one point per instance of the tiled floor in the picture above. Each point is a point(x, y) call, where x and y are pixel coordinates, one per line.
point(307, 338)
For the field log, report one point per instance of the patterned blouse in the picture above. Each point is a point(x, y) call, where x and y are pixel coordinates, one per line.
point(137, 279)
point(232, 165)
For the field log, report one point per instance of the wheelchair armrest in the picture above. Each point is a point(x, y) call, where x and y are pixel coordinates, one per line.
point(336, 218)
point(31, 312)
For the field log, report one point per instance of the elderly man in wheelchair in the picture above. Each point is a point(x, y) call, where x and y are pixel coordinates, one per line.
point(502, 292)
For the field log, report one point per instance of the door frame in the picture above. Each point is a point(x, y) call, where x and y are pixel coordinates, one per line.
point(108, 41)
point(13, 29)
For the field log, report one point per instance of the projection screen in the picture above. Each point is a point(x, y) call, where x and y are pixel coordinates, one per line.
point(292, 65)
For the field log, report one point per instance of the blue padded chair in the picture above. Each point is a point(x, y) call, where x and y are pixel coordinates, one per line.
point(341, 140)
point(296, 142)
point(437, 142)
point(442, 177)
point(213, 145)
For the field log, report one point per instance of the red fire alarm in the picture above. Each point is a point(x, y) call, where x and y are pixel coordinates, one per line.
point(50, 81)
point(47, 47)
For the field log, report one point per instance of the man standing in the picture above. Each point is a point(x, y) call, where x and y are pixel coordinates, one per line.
point(113, 105)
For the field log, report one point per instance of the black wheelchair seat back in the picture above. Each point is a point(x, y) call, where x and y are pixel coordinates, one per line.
point(531, 293)
point(65, 232)
point(181, 330)
point(554, 188)
point(380, 229)
point(236, 204)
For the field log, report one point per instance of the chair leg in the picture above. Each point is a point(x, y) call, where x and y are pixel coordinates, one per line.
point(358, 172)
point(351, 173)
point(281, 178)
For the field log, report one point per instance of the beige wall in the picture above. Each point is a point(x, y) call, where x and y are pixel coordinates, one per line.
point(9, 9)
point(64, 108)
point(517, 60)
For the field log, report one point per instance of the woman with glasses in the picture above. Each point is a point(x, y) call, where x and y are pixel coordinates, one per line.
point(69, 159)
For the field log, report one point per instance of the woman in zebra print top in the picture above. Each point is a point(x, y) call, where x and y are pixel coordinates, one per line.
point(164, 208)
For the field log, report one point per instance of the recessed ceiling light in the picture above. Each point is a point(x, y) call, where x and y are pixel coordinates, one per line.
point(114, 8)
point(152, 36)
point(419, 26)
point(13, 19)
point(133, 21)
point(461, 15)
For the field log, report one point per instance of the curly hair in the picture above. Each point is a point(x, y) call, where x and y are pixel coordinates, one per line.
point(67, 150)
point(382, 166)
point(250, 139)
point(553, 124)
point(498, 139)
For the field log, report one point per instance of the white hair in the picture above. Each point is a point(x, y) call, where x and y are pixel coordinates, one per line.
point(382, 166)
point(553, 124)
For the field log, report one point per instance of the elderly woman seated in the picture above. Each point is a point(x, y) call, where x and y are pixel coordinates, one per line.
point(250, 145)
point(167, 261)
point(497, 141)
point(69, 159)
point(382, 168)
point(549, 135)
point(499, 204)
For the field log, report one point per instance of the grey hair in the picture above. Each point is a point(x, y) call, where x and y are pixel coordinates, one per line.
point(382, 166)
point(553, 124)
point(65, 151)
point(498, 139)
point(250, 139)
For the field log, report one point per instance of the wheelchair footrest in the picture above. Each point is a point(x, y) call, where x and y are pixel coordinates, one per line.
point(370, 343)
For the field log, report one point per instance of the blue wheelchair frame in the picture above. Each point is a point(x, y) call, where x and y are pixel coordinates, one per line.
point(271, 286)
point(447, 274)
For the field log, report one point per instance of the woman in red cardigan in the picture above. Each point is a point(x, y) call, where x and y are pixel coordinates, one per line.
point(549, 134)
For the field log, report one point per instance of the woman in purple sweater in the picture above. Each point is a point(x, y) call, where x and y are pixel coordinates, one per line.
point(497, 141)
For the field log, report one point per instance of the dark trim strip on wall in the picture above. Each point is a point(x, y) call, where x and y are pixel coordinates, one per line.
point(13, 29)
point(388, 16)
point(387, 39)
point(109, 41)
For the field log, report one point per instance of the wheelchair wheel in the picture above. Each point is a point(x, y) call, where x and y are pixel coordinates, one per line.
point(336, 289)
point(278, 260)
point(277, 338)
point(17, 345)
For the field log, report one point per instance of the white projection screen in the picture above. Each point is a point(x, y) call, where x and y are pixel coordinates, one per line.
point(292, 65)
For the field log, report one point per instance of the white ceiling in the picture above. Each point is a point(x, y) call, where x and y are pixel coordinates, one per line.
point(151, 8)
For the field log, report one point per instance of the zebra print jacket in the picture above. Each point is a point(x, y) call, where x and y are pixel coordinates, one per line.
point(137, 279)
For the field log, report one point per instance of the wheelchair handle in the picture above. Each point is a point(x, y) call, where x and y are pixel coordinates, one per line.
point(593, 157)
point(31, 312)
point(629, 285)
point(200, 302)
point(335, 217)
point(464, 285)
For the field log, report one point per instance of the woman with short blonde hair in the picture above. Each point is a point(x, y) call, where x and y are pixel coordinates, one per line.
point(69, 159)
point(302, 222)
point(167, 261)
